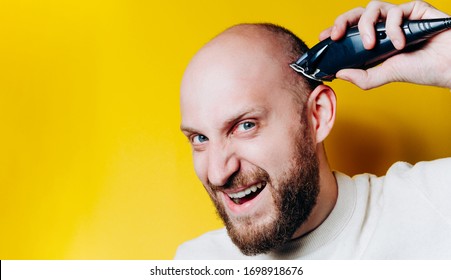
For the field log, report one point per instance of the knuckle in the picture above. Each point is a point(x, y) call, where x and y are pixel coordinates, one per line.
point(340, 19)
point(349, 16)
point(394, 11)
point(374, 4)
point(365, 86)
point(421, 4)
point(358, 10)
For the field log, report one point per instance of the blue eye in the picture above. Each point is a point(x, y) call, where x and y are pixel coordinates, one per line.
point(245, 126)
point(198, 139)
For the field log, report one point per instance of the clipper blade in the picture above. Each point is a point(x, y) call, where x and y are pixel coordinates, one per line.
point(301, 70)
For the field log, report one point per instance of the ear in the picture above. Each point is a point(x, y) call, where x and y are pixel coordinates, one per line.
point(322, 104)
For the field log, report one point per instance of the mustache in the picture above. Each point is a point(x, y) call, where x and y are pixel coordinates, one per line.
point(241, 178)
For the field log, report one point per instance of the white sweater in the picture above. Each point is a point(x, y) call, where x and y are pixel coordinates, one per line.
point(405, 214)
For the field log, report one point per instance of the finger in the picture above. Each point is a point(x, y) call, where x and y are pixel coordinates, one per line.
point(375, 11)
point(395, 16)
point(420, 10)
point(367, 22)
point(393, 27)
point(325, 33)
point(342, 22)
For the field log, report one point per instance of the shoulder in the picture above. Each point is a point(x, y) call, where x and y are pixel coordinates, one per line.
point(428, 180)
point(211, 245)
point(423, 174)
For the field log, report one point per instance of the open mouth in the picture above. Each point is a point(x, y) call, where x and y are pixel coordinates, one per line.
point(247, 194)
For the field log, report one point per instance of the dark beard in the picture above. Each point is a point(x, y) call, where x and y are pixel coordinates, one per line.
point(294, 200)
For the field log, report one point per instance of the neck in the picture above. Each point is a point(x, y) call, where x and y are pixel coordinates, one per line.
point(327, 197)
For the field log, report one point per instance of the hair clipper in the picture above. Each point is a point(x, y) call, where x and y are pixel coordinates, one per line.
point(326, 58)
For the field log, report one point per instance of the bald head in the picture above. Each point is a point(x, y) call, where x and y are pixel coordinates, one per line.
point(251, 49)
point(254, 126)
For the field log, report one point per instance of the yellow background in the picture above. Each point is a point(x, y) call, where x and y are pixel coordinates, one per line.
point(92, 164)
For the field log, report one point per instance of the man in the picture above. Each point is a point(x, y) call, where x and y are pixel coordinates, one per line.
point(257, 129)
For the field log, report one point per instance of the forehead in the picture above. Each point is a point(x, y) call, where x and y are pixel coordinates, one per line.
point(233, 72)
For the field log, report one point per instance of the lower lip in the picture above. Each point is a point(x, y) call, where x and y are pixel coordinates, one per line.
point(245, 208)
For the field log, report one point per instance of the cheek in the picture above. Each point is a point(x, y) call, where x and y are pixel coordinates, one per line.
point(272, 152)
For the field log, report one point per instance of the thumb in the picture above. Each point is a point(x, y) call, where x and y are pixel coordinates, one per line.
point(364, 79)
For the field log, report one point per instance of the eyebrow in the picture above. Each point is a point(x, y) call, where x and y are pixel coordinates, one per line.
point(187, 129)
point(244, 113)
point(232, 119)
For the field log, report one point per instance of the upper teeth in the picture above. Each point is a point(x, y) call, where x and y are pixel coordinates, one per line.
point(247, 191)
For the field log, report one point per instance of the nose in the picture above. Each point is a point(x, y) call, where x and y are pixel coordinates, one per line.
point(222, 164)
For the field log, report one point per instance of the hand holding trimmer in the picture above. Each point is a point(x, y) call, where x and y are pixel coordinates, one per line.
point(325, 59)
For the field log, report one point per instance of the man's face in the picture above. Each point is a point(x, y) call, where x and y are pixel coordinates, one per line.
point(252, 147)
